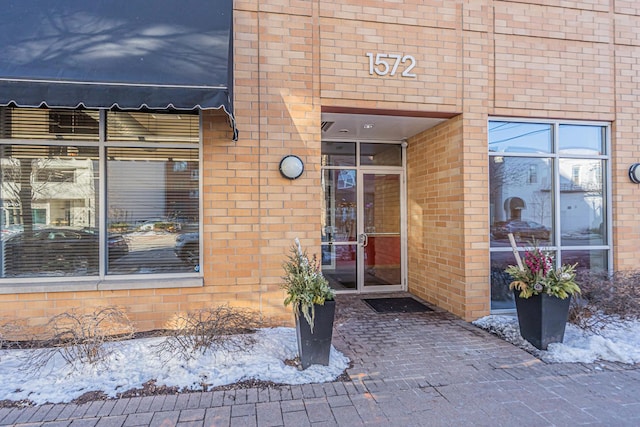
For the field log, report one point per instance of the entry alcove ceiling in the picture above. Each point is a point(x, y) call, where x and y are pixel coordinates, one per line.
point(376, 125)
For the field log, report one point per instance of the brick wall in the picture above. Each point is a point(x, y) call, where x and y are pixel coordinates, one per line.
point(252, 213)
point(577, 60)
point(344, 69)
point(436, 259)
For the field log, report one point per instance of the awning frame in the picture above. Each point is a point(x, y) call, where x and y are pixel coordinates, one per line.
point(118, 54)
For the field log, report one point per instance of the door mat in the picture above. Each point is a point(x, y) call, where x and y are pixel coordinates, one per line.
point(396, 305)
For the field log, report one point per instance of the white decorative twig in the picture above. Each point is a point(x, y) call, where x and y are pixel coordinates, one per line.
point(515, 251)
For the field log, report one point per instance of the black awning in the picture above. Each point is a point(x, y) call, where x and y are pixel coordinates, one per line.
point(129, 54)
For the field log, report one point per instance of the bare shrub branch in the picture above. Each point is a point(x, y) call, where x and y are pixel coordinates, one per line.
point(15, 335)
point(7, 329)
point(80, 337)
point(616, 297)
point(224, 327)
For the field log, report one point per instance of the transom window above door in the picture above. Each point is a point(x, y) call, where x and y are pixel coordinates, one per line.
point(336, 153)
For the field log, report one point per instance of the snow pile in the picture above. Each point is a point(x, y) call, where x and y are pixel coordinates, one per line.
point(618, 341)
point(134, 362)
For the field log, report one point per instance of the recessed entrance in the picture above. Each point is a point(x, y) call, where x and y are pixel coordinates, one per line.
point(363, 231)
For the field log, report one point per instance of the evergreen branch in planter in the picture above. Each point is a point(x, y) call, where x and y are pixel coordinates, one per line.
point(304, 283)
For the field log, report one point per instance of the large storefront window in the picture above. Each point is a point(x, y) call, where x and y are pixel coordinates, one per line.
point(548, 186)
point(91, 193)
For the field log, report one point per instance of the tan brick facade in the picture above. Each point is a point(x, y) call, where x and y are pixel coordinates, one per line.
point(475, 60)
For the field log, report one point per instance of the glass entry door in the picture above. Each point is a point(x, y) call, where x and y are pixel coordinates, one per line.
point(362, 223)
point(340, 229)
point(380, 239)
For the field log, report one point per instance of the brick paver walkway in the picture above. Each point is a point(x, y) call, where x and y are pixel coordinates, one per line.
point(416, 369)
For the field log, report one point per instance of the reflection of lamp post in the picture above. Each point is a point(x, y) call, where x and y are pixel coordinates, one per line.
point(89, 211)
point(597, 214)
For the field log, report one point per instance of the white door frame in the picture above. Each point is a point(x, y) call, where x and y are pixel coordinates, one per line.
point(399, 171)
point(360, 172)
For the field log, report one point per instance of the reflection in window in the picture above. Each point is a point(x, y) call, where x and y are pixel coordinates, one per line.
point(582, 208)
point(575, 175)
point(338, 153)
point(381, 154)
point(501, 295)
point(56, 175)
point(339, 213)
point(73, 122)
point(519, 206)
point(49, 205)
point(50, 192)
point(346, 179)
point(594, 260)
point(581, 139)
point(515, 137)
point(533, 174)
point(155, 211)
point(339, 227)
point(52, 124)
point(538, 197)
point(152, 127)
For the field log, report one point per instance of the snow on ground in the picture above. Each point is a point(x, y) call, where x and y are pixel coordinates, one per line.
point(618, 341)
point(134, 362)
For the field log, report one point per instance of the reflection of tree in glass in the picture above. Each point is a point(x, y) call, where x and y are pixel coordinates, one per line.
point(44, 187)
point(540, 206)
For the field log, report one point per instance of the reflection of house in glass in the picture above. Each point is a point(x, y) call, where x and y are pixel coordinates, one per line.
point(522, 190)
point(547, 186)
point(581, 197)
point(62, 191)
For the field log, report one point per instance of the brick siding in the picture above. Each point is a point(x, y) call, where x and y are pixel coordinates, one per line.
point(546, 59)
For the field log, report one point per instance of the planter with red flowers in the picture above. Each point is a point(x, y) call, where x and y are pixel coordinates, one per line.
point(542, 293)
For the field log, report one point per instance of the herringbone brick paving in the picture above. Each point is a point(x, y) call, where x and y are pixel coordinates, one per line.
point(408, 369)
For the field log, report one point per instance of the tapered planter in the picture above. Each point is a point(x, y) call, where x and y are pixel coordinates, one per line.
point(314, 348)
point(542, 318)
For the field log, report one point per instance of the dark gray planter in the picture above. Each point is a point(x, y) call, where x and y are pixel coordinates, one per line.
point(314, 348)
point(542, 318)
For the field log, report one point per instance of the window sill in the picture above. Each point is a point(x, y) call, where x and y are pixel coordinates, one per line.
point(110, 284)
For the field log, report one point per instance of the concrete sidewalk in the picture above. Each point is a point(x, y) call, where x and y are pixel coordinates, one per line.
point(414, 369)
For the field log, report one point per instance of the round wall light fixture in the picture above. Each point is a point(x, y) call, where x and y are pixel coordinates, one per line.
point(291, 167)
point(634, 173)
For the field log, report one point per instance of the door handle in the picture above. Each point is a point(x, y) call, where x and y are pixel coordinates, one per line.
point(363, 240)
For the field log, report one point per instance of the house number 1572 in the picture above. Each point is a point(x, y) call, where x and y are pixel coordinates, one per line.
point(384, 64)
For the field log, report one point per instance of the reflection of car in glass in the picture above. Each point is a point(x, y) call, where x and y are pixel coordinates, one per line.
point(187, 248)
point(10, 231)
point(521, 230)
point(58, 249)
point(159, 224)
point(118, 247)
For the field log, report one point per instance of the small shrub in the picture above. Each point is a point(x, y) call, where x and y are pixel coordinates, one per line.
point(225, 327)
point(81, 337)
point(617, 297)
point(7, 328)
point(15, 335)
point(304, 284)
